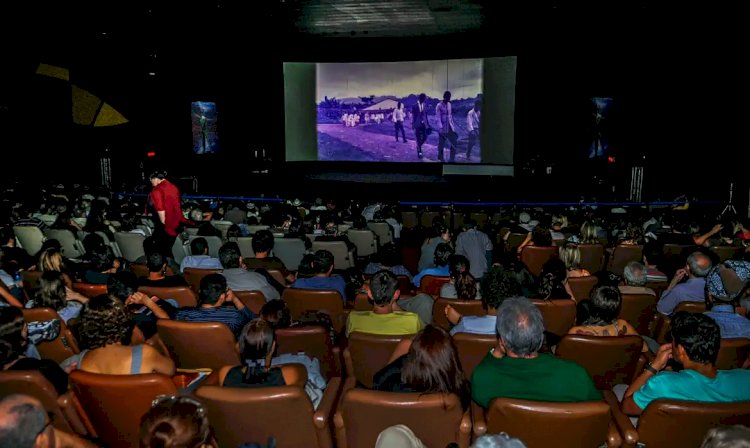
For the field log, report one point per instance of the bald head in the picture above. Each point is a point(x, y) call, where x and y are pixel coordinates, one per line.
point(699, 264)
point(22, 419)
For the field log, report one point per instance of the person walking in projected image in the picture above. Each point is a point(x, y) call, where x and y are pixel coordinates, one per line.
point(420, 123)
point(447, 130)
point(164, 203)
point(472, 122)
point(398, 120)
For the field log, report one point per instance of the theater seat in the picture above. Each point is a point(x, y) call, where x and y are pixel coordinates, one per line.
point(431, 284)
point(367, 353)
point(60, 348)
point(195, 345)
point(472, 349)
point(300, 300)
point(609, 360)
point(464, 307)
point(534, 257)
point(182, 294)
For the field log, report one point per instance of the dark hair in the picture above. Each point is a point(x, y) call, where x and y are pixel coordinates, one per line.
point(383, 286)
point(360, 222)
point(389, 255)
point(211, 288)
point(433, 366)
point(256, 342)
point(541, 236)
point(698, 334)
point(422, 97)
point(465, 283)
point(654, 252)
point(104, 321)
point(51, 293)
point(443, 252)
point(604, 306)
point(92, 241)
point(150, 245)
point(12, 342)
point(158, 174)
point(175, 423)
point(497, 285)
point(155, 262)
point(322, 261)
point(24, 422)
point(446, 94)
point(198, 246)
point(229, 255)
point(101, 258)
point(234, 231)
point(552, 278)
point(122, 285)
point(262, 241)
point(276, 314)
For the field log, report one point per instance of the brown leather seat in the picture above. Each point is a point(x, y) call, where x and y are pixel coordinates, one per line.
point(592, 257)
point(141, 270)
point(465, 307)
point(690, 307)
point(639, 310)
point(34, 384)
point(253, 300)
point(663, 323)
point(543, 424)
point(622, 255)
point(299, 300)
point(609, 360)
point(362, 302)
point(726, 252)
point(277, 275)
point(194, 345)
point(672, 423)
point(114, 404)
point(582, 286)
point(368, 353)
point(240, 415)
point(89, 290)
point(194, 276)
point(314, 341)
point(431, 284)
point(437, 419)
point(674, 250)
point(559, 315)
point(514, 240)
point(30, 283)
point(534, 257)
point(472, 349)
point(732, 353)
point(62, 347)
point(182, 294)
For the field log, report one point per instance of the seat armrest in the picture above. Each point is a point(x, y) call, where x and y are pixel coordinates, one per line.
point(327, 403)
point(627, 431)
point(67, 406)
point(613, 436)
point(478, 422)
point(464, 430)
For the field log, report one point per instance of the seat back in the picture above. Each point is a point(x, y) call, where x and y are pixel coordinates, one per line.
point(559, 315)
point(690, 307)
point(674, 250)
point(60, 348)
point(609, 360)
point(194, 276)
point(290, 251)
point(431, 284)
point(194, 345)
point(182, 294)
point(363, 414)
point(638, 310)
point(71, 247)
point(367, 353)
point(582, 286)
point(409, 220)
point(312, 340)
point(240, 415)
point(726, 252)
point(34, 384)
point(671, 423)
point(222, 226)
point(245, 243)
point(534, 257)
point(426, 218)
point(464, 307)
point(472, 349)
point(364, 240)
point(131, 245)
point(732, 353)
point(592, 257)
point(300, 300)
point(253, 228)
point(30, 238)
point(382, 230)
point(254, 300)
point(341, 258)
point(89, 290)
point(564, 425)
point(622, 255)
point(30, 282)
point(114, 404)
point(214, 243)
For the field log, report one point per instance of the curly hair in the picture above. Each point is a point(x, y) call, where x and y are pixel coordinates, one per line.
point(497, 285)
point(51, 292)
point(104, 321)
point(12, 342)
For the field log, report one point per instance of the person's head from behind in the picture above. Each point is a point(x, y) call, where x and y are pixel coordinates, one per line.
point(443, 253)
point(150, 245)
point(24, 423)
point(262, 242)
point(212, 291)
point(199, 246)
point(233, 232)
point(653, 253)
point(122, 285)
point(360, 223)
point(276, 314)
point(552, 278)
point(13, 334)
point(156, 263)
point(736, 436)
point(604, 306)
point(157, 177)
point(728, 283)
point(698, 264)
point(399, 105)
point(499, 284)
point(92, 241)
point(51, 260)
point(176, 422)
point(104, 321)
point(230, 255)
point(447, 96)
point(635, 274)
point(477, 105)
point(322, 262)
point(695, 338)
point(432, 364)
point(422, 97)
point(51, 293)
point(570, 254)
point(256, 345)
point(588, 233)
point(383, 288)
point(389, 255)
point(520, 327)
point(541, 236)
point(463, 281)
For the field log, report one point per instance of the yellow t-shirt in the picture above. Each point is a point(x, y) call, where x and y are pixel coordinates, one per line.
point(395, 323)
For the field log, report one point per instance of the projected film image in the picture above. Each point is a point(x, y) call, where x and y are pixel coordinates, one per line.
point(599, 146)
point(205, 137)
point(417, 111)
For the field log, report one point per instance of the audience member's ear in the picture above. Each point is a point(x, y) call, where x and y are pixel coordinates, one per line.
point(237, 348)
point(396, 295)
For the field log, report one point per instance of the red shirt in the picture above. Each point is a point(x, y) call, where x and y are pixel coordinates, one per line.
point(166, 197)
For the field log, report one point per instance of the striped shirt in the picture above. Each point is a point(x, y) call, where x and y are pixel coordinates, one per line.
point(227, 315)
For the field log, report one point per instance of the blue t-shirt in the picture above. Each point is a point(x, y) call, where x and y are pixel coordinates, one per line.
point(439, 271)
point(727, 386)
point(335, 282)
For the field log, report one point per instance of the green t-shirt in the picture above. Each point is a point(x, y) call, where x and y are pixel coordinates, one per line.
point(728, 385)
point(544, 378)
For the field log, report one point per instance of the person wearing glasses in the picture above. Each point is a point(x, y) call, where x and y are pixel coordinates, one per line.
point(177, 422)
point(25, 424)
